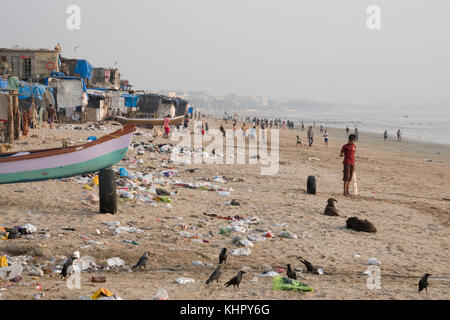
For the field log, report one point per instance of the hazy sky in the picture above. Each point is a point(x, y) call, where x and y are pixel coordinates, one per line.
point(316, 49)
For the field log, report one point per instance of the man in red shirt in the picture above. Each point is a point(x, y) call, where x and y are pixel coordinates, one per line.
point(167, 126)
point(348, 152)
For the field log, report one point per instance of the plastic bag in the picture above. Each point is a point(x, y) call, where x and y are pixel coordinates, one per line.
point(285, 284)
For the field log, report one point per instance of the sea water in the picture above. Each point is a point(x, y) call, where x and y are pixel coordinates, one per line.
point(430, 126)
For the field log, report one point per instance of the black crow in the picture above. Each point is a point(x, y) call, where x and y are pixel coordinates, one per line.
point(291, 273)
point(423, 283)
point(69, 263)
point(142, 262)
point(215, 275)
point(223, 256)
point(236, 280)
point(309, 266)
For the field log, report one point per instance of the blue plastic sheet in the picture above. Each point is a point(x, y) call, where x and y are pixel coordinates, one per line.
point(131, 101)
point(84, 68)
point(123, 172)
point(29, 89)
point(3, 84)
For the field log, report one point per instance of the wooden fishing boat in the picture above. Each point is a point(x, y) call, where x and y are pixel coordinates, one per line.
point(39, 165)
point(150, 122)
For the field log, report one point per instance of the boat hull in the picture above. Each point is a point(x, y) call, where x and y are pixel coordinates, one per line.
point(148, 122)
point(57, 164)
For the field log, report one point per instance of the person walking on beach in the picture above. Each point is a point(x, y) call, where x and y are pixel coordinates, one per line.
point(167, 126)
point(348, 152)
point(222, 129)
point(347, 130)
point(310, 136)
point(399, 135)
point(385, 135)
point(325, 137)
point(51, 116)
point(186, 122)
point(356, 133)
point(253, 133)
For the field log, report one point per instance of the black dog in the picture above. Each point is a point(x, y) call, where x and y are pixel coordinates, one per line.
point(360, 225)
point(330, 210)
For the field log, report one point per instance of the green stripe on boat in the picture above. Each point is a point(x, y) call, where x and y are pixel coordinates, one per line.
point(86, 167)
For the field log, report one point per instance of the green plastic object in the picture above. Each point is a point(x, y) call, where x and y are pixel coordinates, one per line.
point(285, 284)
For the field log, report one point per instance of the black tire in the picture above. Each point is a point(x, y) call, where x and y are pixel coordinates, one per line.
point(108, 192)
point(311, 185)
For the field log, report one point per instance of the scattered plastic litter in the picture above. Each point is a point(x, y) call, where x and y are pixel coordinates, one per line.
point(161, 294)
point(241, 252)
point(100, 293)
point(10, 272)
point(115, 262)
point(269, 274)
point(374, 262)
point(285, 284)
point(183, 280)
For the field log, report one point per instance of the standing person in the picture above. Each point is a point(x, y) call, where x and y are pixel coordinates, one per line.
point(244, 131)
point(385, 135)
point(253, 133)
point(310, 136)
point(348, 152)
point(186, 122)
point(303, 127)
point(399, 135)
point(321, 128)
point(347, 130)
point(356, 133)
point(222, 129)
point(263, 130)
point(325, 137)
point(51, 116)
point(167, 126)
point(206, 127)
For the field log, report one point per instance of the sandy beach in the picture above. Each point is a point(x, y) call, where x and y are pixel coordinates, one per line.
point(402, 190)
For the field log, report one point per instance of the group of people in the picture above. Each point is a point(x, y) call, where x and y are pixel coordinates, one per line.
point(399, 135)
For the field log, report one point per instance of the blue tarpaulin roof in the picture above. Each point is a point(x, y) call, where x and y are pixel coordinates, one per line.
point(131, 100)
point(3, 84)
point(84, 68)
point(34, 88)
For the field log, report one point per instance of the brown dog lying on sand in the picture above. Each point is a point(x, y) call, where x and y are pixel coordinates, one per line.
point(330, 210)
point(360, 225)
point(4, 148)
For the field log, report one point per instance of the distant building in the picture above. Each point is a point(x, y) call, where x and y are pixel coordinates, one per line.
point(105, 78)
point(125, 85)
point(29, 64)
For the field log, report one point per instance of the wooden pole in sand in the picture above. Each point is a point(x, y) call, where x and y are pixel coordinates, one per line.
point(10, 123)
point(108, 191)
point(16, 115)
